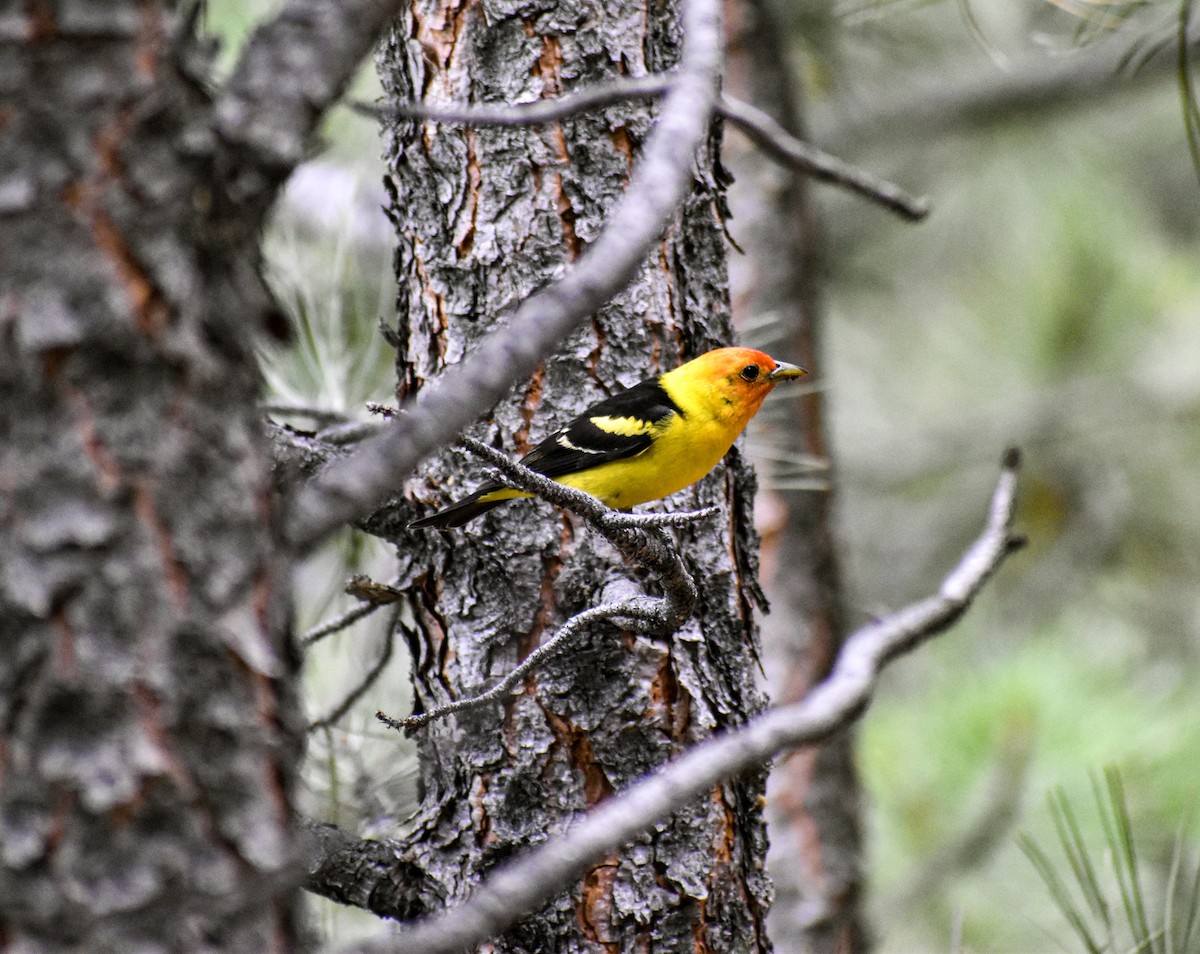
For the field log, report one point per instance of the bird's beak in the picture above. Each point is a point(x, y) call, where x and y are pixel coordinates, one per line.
point(783, 371)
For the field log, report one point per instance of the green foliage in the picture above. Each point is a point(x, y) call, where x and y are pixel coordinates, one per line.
point(1099, 924)
point(334, 294)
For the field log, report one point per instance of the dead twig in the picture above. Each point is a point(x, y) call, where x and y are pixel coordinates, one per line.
point(758, 126)
point(639, 537)
point(369, 678)
point(512, 890)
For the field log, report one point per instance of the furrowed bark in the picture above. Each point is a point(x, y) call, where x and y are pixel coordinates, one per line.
point(485, 217)
point(148, 734)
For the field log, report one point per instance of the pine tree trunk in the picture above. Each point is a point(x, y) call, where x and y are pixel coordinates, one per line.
point(484, 217)
point(814, 794)
point(147, 753)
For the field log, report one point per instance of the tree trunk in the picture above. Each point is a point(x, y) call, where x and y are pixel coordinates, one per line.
point(484, 217)
point(147, 748)
point(814, 797)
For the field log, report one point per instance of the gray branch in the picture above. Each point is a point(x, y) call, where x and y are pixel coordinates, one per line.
point(373, 875)
point(758, 126)
point(296, 455)
point(639, 537)
point(351, 488)
point(527, 114)
point(368, 680)
point(517, 888)
point(293, 68)
point(782, 146)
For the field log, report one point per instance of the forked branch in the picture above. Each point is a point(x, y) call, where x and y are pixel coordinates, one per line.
point(515, 889)
point(640, 539)
point(758, 126)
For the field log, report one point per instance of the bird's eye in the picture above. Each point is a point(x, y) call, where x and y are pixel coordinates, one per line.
point(750, 372)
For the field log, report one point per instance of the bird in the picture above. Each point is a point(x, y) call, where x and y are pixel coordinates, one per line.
point(647, 441)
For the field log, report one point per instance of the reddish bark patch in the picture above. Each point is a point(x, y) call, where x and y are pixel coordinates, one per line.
point(108, 473)
point(275, 782)
point(546, 601)
point(150, 720)
point(150, 311)
point(529, 405)
point(727, 836)
point(574, 740)
point(473, 179)
point(549, 66)
point(595, 905)
point(43, 28)
point(700, 932)
point(174, 574)
point(150, 39)
point(85, 198)
point(439, 31)
point(480, 818)
point(437, 303)
point(620, 139)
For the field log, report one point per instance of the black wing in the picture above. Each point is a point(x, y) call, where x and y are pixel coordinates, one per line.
point(616, 428)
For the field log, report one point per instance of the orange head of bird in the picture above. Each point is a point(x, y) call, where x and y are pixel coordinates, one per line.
point(732, 382)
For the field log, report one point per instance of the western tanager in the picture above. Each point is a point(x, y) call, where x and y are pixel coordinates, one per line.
point(649, 441)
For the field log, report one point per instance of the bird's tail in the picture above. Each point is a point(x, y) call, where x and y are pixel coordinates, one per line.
point(461, 512)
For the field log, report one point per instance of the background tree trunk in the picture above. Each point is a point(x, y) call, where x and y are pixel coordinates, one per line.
point(813, 793)
point(484, 217)
point(148, 746)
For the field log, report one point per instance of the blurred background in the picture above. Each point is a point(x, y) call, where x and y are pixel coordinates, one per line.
point(1050, 301)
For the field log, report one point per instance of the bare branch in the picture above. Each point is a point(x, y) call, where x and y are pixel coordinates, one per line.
point(319, 415)
point(337, 624)
point(639, 537)
point(296, 455)
point(352, 487)
point(351, 432)
point(645, 610)
point(756, 124)
point(293, 68)
point(515, 889)
point(372, 595)
point(368, 874)
point(527, 114)
point(807, 158)
point(368, 680)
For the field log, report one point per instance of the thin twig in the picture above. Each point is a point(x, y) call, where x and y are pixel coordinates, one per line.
point(541, 111)
point(349, 488)
point(372, 675)
point(516, 888)
point(349, 432)
point(372, 596)
point(383, 410)
point(756, 124)
point(337, 624)
point(641, 609)
point(639, 537)
point(807, 158)
point(320, 415)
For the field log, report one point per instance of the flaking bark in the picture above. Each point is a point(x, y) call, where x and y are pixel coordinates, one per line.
point(484, 217)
